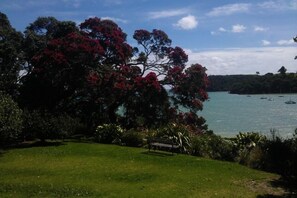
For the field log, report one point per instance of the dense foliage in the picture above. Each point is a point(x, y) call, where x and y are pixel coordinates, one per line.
point(11, 56)
point(255, 84)
point(91, 74)
point(10, 120)
point(108, 133)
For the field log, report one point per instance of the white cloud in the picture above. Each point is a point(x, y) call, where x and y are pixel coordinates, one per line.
point(221, 29)
point(285, 42)
point(245, 60)
point(265, 42)
point(234, 29)
point(279, 5)
point(271, 5)
point(230, 9)
point(168, 13)
point(238, 28)
point(213, 33)
point(115, 19)
point(260, 29)
point(187, 23)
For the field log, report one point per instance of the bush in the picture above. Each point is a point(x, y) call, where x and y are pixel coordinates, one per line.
point(213, 146)
point(245, 143)
point(10, 120)
point(275, 155)
point(65, 126)
point(133, 138)
point(179, 134)
point(279, 155)
point(108, 133)
point(43, 125)
point(255, 158)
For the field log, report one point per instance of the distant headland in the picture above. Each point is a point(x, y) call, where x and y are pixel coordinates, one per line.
point(269, 83)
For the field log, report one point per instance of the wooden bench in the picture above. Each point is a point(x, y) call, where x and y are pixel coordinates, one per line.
point(162, 144)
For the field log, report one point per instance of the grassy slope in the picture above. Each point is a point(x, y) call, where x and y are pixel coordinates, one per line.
point(95, 170)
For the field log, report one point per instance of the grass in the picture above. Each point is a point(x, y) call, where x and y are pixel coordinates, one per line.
point(97, 170)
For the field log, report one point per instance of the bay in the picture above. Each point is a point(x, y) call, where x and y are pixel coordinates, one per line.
point(228, 114)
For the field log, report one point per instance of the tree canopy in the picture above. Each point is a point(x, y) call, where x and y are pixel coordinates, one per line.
point(90, 71)
point(11, 56)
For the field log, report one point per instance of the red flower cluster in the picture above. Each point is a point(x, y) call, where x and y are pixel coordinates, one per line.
point(110, 36)
point(150, 80)
point(177, 55)
point(175, 74)
point(197, 103)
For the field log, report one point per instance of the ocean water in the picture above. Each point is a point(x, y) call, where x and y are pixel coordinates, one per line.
point(228, 114)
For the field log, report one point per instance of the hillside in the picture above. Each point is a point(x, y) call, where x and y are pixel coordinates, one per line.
point(96, 170)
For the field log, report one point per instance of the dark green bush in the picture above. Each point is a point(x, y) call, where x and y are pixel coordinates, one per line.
point(66, 126)
point(280, 156)
point(212, 146)
point(38, 124)
point(274, 155)
point(43, 125)
point(10, 120)
point(108, 133)
point(133, 138)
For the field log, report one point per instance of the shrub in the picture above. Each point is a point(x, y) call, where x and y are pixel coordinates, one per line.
point(108, 133)
point(133, 138)
point(249, 140)
point(245, 143)
point(279, 155)
point(255, 158)
point(213, 146)
point(179, 134)
point(274, 155)
point(36, 125)
point(10, 120)
point(43, 125)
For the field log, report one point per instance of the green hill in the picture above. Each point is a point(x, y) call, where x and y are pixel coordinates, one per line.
point(97, 170)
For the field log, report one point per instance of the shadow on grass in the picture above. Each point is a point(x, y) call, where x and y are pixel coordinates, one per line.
point(289, 185)
point(158, 153)
point(1, 152)
point(38, 144)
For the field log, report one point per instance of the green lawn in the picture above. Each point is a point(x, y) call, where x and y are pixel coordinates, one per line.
point(96, 170)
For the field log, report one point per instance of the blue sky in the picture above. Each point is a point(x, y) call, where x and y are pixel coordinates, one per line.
point(226, 36)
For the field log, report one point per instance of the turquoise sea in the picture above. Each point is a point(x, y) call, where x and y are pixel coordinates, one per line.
point(228, 114)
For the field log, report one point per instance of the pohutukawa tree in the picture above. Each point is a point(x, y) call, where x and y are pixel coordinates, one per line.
point(187, 86)
point(92, 71)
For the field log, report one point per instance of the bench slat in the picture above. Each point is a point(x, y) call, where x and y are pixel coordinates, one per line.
point(161, 143)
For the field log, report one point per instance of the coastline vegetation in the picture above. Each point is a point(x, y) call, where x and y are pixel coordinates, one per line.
point(255, 84)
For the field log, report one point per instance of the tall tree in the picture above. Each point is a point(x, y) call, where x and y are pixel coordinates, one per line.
point(11, 56)
point(93, 71)
point(40, 32)
point(66, 67)
point(187, 86)
point(282, 70)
